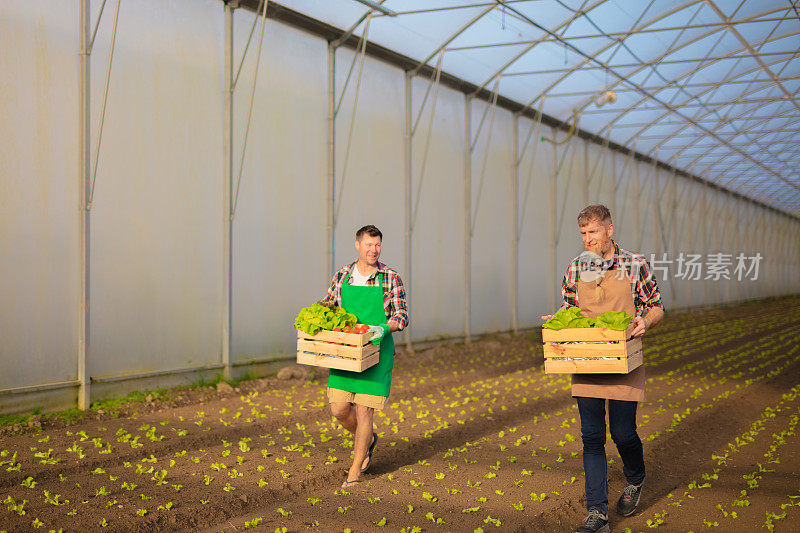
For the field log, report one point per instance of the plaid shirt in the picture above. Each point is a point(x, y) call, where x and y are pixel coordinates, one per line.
point(643, 283)
point(394, 295)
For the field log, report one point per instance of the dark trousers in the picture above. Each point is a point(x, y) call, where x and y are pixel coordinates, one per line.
point(622, 420)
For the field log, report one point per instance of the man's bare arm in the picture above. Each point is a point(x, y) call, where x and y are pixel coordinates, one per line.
point(642, 324)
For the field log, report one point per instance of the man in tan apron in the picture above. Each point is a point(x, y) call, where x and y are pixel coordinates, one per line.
point(374, 293)
point(608, 278)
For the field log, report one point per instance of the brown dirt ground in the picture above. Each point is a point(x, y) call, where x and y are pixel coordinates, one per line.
point(475, 436)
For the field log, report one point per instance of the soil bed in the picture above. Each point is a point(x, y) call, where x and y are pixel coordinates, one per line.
point(475, 436)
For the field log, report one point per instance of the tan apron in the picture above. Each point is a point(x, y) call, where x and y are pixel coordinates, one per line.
point(616, 296)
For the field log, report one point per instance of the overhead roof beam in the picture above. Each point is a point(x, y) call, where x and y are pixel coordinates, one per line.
point(691, 73)
point(593, 67)
point(624, 34)
point(457, 7)
point(604, 66)
point(687, 76)
point(746, 44)
point(450, 39)
point(738, 117)
point(724, 122)
point(545, 37)
point(330, 33)
point(338, 42)
point(622, 90)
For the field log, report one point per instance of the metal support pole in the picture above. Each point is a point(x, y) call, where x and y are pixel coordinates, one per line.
point(514, 230)
point(748, 213)
point(774, 254)
point(553, 224)
point(613, 186)
point(407, 139)
point(773, 239)
point(585, 173)
point(467, 214)
point(690, 245)
point(760, 241)
point(766, 233)
point(672, 245)
point(227, 234)
point(769, 252)
point(727, 239)
point(636, 210)
point(84, 171)
point(655, 211)
point(794, 236)
point(785, 247)
point(704, 211)
point(718, 240)
point(331, 162)
point(738, 240)
point(787, 281)
point(795, 257)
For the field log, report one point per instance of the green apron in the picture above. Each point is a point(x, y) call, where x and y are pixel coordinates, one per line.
point(367, 304)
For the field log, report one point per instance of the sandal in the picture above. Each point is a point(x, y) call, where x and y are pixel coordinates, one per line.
point(369, 452)
point(351, 484)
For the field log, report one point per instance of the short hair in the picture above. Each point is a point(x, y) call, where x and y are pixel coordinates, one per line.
point(370, 230)
point(597, 212)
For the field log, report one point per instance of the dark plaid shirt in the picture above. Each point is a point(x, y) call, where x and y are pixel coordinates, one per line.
point(394, 295)
point(643, 283)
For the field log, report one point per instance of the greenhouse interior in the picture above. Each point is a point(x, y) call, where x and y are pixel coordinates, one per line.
point(181, 180)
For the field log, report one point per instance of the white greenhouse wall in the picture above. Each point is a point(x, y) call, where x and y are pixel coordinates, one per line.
point(156, 230)
point(157, 219)
point(437, 245)
point(279, 226)
point(39, 230)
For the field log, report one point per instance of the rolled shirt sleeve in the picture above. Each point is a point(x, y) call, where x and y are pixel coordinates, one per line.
point(395, 301)
point(647, 291)
point(569, 291)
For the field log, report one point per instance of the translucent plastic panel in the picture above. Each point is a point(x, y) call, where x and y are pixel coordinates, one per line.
point(669, 62)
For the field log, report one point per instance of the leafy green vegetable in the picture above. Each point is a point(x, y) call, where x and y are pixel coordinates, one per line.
point(572, 318)
point(619, 320)
point(317, 317)
point(569, 318)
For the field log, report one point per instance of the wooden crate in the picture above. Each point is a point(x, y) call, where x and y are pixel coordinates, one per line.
point(591, 351)
point(353, 352)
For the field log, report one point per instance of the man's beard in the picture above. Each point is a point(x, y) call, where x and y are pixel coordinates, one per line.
point(597, 249)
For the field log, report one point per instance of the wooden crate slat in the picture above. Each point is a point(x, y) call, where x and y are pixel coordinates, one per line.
point(339, 363)
point(354, 339)
point(585, 334)
point(584, 349)
point(597, 366)
point(581, 351)
point(337, 349)
point(348, 352)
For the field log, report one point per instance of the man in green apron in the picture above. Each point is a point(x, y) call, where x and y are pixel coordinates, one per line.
point(608, 278)
point(375, 294)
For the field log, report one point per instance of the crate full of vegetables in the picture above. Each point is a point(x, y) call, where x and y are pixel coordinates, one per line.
point(575, 344)
point(330, 337)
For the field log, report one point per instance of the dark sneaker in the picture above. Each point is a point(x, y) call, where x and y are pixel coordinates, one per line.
point(627, 503)
point(596, 522)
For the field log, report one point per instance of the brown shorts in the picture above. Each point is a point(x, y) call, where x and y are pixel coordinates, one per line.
point(367, 400)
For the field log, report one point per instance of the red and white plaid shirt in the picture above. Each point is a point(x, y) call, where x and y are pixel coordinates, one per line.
point(394, 295)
